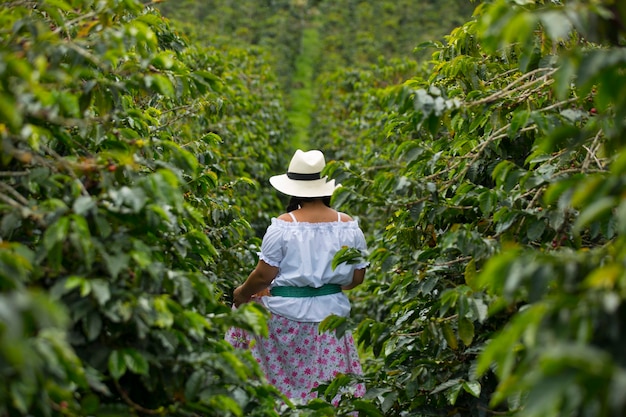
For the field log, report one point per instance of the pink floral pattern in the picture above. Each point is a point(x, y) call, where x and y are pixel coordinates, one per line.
point(296, 358)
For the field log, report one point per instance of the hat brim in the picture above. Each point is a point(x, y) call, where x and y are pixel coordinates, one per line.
point(296, 188)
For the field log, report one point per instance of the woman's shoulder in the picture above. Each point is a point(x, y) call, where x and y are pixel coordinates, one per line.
point(345, 218)
point(287, 219)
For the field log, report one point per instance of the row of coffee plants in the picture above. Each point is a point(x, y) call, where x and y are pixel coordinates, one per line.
point(130, 172)
point(491, 187)
point(352, 33)
point(274, 25)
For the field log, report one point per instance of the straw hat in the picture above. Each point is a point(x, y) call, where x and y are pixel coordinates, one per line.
point(303, 178)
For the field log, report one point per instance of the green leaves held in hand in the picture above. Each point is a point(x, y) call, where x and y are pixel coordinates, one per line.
point(347, 255)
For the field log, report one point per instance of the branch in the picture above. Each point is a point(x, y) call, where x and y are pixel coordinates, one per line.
point(495, 413)
point(14, 173)
point(85, 54)
point(498, 134)
point(559, 104)
point(72, 22)
point(25, 210)
point(133, 404)
point(19, 197)
point(12, 202)
point(447, 263)
point(454, 261)
point(475, 153)
point(591, 152)
point(579, 171)
point(509, 88)
point(68, 168)
point(536, 197)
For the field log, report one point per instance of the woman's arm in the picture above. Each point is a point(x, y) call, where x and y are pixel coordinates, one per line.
point(357, 279)
point(259, 279)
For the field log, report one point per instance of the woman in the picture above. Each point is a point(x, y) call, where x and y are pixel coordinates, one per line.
point(295, 265)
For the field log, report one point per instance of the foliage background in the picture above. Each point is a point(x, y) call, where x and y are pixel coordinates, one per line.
point(485, 166)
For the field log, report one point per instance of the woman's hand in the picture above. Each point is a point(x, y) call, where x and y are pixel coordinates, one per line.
point(239, 298)
point(259, 279)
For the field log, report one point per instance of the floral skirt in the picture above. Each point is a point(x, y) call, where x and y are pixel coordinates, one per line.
point(296, 358)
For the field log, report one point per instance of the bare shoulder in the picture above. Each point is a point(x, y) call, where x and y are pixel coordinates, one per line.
point(345, 217)
point(285, 217)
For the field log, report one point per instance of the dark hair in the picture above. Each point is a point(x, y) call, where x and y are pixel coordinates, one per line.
point(296, 202)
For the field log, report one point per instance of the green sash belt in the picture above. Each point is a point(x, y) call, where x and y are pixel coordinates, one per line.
point(306, 291)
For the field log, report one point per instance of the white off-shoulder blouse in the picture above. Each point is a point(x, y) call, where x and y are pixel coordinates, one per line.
point(303, 252)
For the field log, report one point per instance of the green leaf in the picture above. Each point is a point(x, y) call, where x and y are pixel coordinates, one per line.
point(348, 255)
point(340, 381)
point(588, 190)
point(557, 26)
point(164, 317)
point(100, 290)
point(194, 384)
point(103, 227)
point(446, 385)
point(504, 219)
point(234, 364)
point(69, 104)
point(90, 404)
point(604, 277)
point(501, 350)
point(182, 158)
point(161, 84)
point(135, 361)
point(14, 268)
point(134, 198)
point(115, 263)
point(596, 211)
point(202, 245)
point(56, 233)
point(80, 237)
point(519, 120)
point(487, 202)
point(83, 204)
point(9, 113)
point(472, 387)
point(209, 78)
point(366, 407)
point(73, 282)
point(564, 77)
point(334, 322)
point(547, 392)
point(535, 229)
point(255, 317)
point(495, 271)
point(449, 336)
point(92, 325)
point(225, 404)
point(22, 394)
point(557, 189)
point(117, 364)
point(452, 388)
point(341, 196)
point(471, 275)
point(466, 330)
point(501, 171)
point(453, 393)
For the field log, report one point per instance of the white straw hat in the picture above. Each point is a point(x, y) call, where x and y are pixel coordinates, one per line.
point(303, 178)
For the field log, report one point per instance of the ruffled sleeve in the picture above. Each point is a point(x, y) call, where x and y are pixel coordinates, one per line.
point(362, 246)
point(272, 246)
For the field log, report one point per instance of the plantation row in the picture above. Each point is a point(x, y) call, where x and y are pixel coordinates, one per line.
point(491, 185)
point(488, 181)
point(131, 167)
